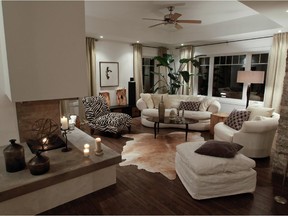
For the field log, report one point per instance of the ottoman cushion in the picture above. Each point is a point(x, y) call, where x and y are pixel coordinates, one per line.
point(207, 165)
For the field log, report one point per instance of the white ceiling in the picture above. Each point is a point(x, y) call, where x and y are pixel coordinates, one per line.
point(221, 21)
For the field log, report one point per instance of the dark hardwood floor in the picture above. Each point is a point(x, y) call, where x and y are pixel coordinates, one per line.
point(140, 192)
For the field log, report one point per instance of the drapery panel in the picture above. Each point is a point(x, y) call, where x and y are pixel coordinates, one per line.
point(137, 69)
point(91, 73)
point(91, 64)
point(187, 52)
point(276, 71)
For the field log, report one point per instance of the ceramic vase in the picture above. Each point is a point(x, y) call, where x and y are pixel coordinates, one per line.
point(161, 110)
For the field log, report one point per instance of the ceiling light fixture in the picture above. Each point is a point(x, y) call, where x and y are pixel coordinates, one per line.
point(101, 37)
point(279, 31)
point(137, 41)
point(182, 44)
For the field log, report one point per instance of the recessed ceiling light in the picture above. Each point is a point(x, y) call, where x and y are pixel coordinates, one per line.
point(287, 11)
point(101, 36)
point(280, 31)
point(137, 41)
point(182, 44)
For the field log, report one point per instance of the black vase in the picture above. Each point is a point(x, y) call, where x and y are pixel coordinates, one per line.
point(14, 157)
point(39, 164)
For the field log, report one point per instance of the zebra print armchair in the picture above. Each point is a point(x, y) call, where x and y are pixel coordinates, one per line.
point(100, 118)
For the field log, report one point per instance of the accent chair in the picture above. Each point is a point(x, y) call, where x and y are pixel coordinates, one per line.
point(102, 119)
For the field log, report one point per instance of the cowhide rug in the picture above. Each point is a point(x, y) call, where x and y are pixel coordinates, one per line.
point(155, 155)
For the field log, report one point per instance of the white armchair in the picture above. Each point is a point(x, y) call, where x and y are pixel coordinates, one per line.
point(255, 135)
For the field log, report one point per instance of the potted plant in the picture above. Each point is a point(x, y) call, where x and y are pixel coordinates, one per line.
point(172, 86)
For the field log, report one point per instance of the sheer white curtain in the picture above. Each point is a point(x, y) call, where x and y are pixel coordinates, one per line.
point(137, 69)
point(162, 70)
point(276, 71)
point(187, 52)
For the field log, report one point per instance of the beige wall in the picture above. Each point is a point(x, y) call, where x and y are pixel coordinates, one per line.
point(45, 43)
point(8, 120)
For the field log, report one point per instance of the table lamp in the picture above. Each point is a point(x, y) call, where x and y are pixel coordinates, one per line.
point(250, 77)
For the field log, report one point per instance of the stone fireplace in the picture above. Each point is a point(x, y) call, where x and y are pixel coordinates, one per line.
point(31, 111)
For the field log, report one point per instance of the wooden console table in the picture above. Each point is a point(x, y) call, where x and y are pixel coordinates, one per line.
point(71, 176)
point(216, 118)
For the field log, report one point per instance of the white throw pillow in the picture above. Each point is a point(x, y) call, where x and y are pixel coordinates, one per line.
point(148, 100)
point(157, 98)
point(194, 98)
point(260, 118)
point(260, 111)
point(205, 103)
point(174, 101)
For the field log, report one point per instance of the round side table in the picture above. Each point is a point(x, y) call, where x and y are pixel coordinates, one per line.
point(216, 118)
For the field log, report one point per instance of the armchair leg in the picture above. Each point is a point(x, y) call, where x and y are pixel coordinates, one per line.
point(129, 129)
point(92, 131)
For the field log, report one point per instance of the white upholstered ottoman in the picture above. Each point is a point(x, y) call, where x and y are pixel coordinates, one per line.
point(208, 176)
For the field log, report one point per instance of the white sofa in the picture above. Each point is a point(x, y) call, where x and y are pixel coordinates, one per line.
point(148, 104)
point(256, 134)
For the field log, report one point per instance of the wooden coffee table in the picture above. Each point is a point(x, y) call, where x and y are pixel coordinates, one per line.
point(167, 120)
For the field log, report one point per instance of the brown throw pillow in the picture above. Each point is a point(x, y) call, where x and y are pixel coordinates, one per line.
point(236, 118)
point(189, 105)
point(219, 149)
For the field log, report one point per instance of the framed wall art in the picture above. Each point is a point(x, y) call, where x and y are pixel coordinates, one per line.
point(109, 74)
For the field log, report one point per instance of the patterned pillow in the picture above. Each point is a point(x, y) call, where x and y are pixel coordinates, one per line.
point(189, 105)
point(236, 118)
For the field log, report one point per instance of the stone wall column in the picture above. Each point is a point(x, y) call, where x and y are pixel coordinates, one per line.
point(280, 155)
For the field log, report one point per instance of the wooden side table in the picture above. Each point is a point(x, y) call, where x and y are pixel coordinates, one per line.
point(216, 118)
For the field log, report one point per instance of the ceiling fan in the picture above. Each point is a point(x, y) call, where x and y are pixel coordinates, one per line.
point(172, 18)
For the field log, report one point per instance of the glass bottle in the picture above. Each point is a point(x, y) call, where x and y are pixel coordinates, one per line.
point(14, 157)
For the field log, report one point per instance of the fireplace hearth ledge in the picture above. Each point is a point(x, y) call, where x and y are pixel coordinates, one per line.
point(71, 176)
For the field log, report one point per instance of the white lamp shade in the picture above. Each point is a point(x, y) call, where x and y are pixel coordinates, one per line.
point(250, 76)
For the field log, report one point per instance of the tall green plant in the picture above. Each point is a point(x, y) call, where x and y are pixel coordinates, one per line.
point(172, 86)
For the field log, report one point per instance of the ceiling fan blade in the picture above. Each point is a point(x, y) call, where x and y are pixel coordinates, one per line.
point(152, 19)
point(175, 16)
point(157, 24)
point(189, 21)
point(177, 26)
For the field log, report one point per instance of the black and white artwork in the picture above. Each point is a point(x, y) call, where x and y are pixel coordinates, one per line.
point(109, 74)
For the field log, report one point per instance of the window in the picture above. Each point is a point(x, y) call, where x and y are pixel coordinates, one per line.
point(259, 62)
point(204, 76)
point(148, 77)
point(225, 76)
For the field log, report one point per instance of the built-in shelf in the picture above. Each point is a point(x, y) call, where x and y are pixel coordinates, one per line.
point(71, 176)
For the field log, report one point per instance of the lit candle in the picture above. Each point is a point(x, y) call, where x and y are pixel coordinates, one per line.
point(86, 152)
point(86, 146)
point(45, 140)
point(64, 123)
point(97, 143)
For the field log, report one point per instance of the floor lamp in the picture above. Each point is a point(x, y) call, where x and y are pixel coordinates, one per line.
point(249, 77)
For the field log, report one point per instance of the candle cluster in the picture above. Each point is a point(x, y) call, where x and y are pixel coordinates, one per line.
point(98, 149)
point(86, 150)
